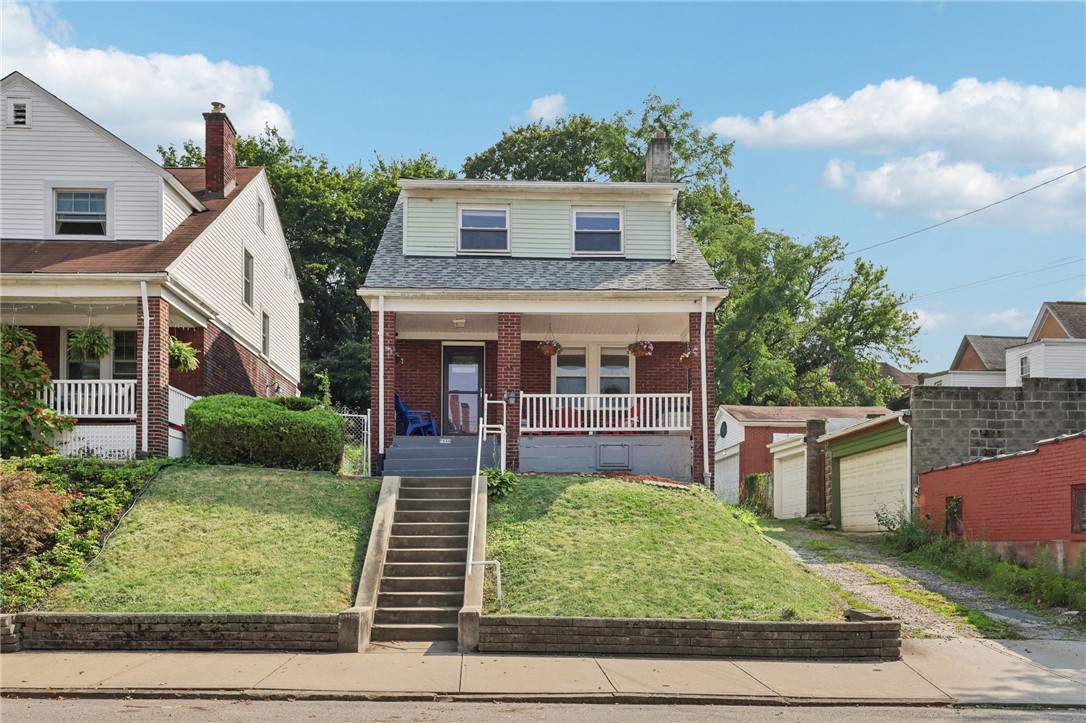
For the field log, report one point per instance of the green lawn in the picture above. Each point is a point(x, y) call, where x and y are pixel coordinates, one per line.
point(604, 547)
point(233, 539)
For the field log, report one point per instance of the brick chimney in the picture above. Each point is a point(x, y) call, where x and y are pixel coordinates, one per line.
point(220, 170)
point(658, 159)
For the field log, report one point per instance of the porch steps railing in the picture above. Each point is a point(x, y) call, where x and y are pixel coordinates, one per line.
point(93, 398)
point(592, 413)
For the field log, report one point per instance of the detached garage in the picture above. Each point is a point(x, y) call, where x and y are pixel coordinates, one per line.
point(869, 470)
point(789, 477)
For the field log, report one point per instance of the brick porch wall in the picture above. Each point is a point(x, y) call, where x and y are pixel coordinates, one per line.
point(391, 368)
point(662, 373)
point(418, 378)
point(47, 340)
point(158, 377)
point(704, 345)
point(508, 362)
point(190, 382)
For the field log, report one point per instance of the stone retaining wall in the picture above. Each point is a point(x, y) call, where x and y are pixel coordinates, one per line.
point(177, 631)
point(621, 636)
point(10, 639)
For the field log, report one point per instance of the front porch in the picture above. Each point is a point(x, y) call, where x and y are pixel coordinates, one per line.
point(593, 406)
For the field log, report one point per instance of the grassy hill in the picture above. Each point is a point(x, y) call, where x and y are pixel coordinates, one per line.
point(232, 539)
point(605, 547)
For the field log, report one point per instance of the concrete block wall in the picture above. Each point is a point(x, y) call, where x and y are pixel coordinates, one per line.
point(1023, 501)
point(628, 636)
point(957, 424)
point(179, 631)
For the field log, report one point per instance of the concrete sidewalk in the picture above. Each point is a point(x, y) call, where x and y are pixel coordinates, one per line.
point(931, 672)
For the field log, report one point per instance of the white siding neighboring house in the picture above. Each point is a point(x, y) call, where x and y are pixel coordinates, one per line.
point(94, 232)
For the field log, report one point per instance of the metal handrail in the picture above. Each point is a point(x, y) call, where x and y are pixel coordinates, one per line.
point(485, 428)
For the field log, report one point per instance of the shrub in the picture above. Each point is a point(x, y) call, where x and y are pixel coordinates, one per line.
point(233, 429)
point(758, 494)
point(24, 420)
point(95, 493)
point(297, 404)
point(29, 514)
point(499, 483)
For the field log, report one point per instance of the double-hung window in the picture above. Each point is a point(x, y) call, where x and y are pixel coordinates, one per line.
point(260, 213)
point(80, 213)
point(247, 287)
point(483, 230)
point(597, 231)
point(124, 355)
point(592, 369)
point(265, 334)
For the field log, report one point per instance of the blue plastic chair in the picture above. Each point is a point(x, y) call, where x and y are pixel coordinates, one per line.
point(415, 421)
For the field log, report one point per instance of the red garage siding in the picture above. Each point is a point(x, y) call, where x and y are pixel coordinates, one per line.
point(1021, 500)
point(754, 457)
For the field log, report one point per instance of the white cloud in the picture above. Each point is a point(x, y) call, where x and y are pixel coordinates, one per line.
point(546, 108)
point(1008, 322)
point(144, 99)
point(934, 320)
point(1001, 120)
point(838, 173)
point(939, 189)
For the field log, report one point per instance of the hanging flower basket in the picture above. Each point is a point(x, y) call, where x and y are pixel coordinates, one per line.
point(640, 348)
point(687, 359)
point(549, 347)
point(90, 342)
point(182, 356)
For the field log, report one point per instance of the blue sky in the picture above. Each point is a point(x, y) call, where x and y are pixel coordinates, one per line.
point(864, 120)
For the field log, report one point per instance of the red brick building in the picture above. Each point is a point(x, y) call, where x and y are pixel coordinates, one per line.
point(1028, 500)
point(147, 253)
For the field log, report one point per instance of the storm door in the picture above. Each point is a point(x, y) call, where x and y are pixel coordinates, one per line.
point(462, 389)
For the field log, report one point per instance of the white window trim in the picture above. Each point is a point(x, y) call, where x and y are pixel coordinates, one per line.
point(51, 188)
point(592, 365)
point(250, 303)
point(597, 209)
point(106, 361)
point(261, 211)
point(484, 207)
point(265, 334)
point(1024, 365)
point(9, 112)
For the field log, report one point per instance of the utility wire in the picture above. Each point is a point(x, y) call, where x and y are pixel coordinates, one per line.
point(1067, 261)
point(968, 213)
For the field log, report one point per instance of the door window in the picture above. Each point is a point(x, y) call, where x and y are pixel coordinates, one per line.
point(463, 389)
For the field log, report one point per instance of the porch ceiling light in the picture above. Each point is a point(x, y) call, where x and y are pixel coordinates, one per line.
point(459, 323)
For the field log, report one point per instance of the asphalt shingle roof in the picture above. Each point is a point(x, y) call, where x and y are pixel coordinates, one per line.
point(992, 350)
point(118, 257)
point(391, 269)
point(1072, 314)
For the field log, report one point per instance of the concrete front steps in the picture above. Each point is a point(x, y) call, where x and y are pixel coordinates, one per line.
point(422, 583)
point(453, 456)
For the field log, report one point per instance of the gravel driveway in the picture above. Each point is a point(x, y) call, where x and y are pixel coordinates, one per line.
point(829, 555)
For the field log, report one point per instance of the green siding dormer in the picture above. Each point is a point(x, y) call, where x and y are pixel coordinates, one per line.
point(541, 225)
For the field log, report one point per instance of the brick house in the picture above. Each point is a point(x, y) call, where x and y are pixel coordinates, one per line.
point(1029, 500)
point(92, 232)
point(472, 275)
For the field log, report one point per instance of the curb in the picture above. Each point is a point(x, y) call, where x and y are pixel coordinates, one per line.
point(429, 697)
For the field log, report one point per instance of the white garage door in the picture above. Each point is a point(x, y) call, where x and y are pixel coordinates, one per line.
point(870, 480)
point(727, 479)
point(791, 480)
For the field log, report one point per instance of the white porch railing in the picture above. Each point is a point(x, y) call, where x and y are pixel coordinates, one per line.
point(93, 398)
point(179, 402)
point(592, 413)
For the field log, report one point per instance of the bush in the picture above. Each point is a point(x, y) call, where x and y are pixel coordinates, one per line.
point(29, 514)
point(296, 404)
point(233, 429)
point(499, 483)
point(94, 493)
point(24, 420)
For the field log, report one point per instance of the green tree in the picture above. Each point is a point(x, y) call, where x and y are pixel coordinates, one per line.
point(190, 155)
point(333, 219)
